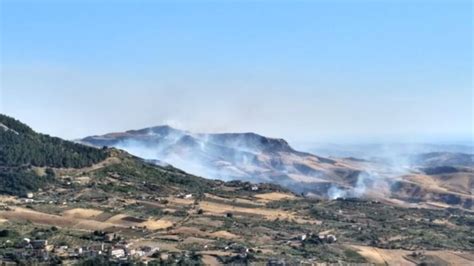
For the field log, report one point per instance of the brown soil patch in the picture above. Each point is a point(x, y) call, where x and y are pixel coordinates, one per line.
point(382, 256)
point(8, 199)
point(398, 256)
point(210, 260)
point(453, 258)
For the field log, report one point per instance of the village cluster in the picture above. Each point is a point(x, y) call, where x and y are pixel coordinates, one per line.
point(111, 247)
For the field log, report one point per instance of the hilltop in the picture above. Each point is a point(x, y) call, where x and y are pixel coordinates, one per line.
point(230, 156)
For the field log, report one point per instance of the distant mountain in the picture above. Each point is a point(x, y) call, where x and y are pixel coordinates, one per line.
point(230, 156)
point(436, 159)
point(382, 150)
point(434, 177)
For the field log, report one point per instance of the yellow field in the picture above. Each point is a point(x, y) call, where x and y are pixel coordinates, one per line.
point(157, 224)
point(80, 219)
point(273, 196)
point(56, 220)
point(224, 234)
point(82, 213)
point(236, 200)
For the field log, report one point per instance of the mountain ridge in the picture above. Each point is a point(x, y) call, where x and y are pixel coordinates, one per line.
point(233, 155)
point(256, 158)
point(166, 129)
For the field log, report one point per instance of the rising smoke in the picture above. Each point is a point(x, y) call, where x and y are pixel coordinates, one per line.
point(367, 183)
point(250, 157)
point(199, 154)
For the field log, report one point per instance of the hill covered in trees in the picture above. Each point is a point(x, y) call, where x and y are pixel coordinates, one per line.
point(30, 161)
point(20, 145)
point(22, 149)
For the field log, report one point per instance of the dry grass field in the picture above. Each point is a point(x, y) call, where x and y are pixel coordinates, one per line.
point(383, 257)
point(82, 219)
point(272, 196)
point(127, 221)
point(224, 235)
point(54, 220)
point(235, 200)
point(221, 209)
point(82, 213)
point(399, 257)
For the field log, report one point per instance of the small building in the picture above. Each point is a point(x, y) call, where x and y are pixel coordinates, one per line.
point(303, 237)
point(182, 195)
point(137, 253)
point(117, 253)
point(328, 238)
point(78, 250)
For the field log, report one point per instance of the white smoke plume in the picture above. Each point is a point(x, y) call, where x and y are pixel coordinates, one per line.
point(368, 183)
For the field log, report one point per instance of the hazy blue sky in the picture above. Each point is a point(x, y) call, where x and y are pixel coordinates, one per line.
point(309, 70)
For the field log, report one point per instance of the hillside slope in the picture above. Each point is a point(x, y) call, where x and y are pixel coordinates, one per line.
point(255, 158)
point(20, 145)
point(230, 156)
point(23, 152)
point(30, 161)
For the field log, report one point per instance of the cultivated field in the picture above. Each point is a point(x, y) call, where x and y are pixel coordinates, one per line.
point(401, 257)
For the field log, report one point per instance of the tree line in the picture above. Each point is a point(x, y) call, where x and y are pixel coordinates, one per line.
point(22, 146)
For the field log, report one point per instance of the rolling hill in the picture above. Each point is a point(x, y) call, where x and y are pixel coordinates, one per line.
point(255, 158)
point(230, 156)
point(108, 199)
point(30, 161)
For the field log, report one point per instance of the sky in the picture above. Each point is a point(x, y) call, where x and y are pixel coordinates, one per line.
point(299, 70)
